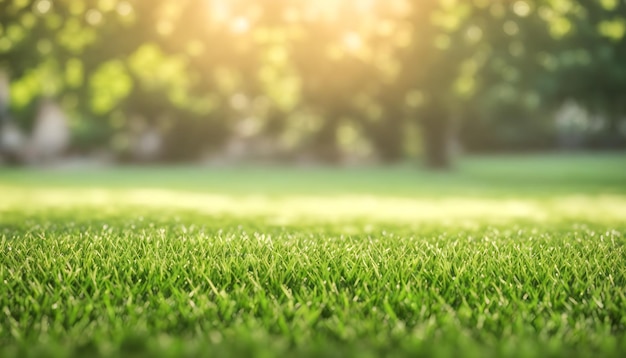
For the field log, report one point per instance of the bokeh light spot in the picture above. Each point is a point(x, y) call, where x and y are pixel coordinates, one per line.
point(510, 28)
point(352, 41)
point(240, 25)
point(43, 6)
point(93, 17)
point(521, 8)
point(124, 8)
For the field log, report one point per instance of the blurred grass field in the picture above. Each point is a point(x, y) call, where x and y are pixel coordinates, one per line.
point(581, 187)
point(537, 175)
point(505, 256)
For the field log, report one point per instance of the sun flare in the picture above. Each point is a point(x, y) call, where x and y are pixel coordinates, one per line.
point(333, 11)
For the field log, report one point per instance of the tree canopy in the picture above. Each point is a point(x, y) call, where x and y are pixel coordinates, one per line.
point(322, 78)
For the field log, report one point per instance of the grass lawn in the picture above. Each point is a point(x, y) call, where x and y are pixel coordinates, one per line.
point(503, 257)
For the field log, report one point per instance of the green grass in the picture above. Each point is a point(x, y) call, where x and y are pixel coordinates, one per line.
point(556, 174)
point(515, 257)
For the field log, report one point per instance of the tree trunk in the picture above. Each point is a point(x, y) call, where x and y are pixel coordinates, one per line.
point(326, 147)
point(389, 136)
point(436, 136)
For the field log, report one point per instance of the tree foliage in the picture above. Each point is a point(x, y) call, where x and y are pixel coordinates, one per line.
point(322, 78)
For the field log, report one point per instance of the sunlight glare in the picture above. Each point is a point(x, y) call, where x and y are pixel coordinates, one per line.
point(301, 208)
point(352, 41)
point(240, 25)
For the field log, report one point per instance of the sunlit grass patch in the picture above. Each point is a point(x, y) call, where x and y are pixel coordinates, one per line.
point(337, 208)
point(91, 269)
point(143, 281)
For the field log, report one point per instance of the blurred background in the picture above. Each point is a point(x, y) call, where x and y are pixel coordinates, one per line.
point(308, 82)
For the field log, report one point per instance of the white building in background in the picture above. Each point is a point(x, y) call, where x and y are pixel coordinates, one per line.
point(572, 124)
point(146, 145)
point(51, 133)
point(4, 94)
point(12, 140)
point(49, 139)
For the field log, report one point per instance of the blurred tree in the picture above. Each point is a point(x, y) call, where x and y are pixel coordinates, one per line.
point(509, 97)
point(543, 54)
point(591, 68)
point(432, 56)
point(321, 77)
